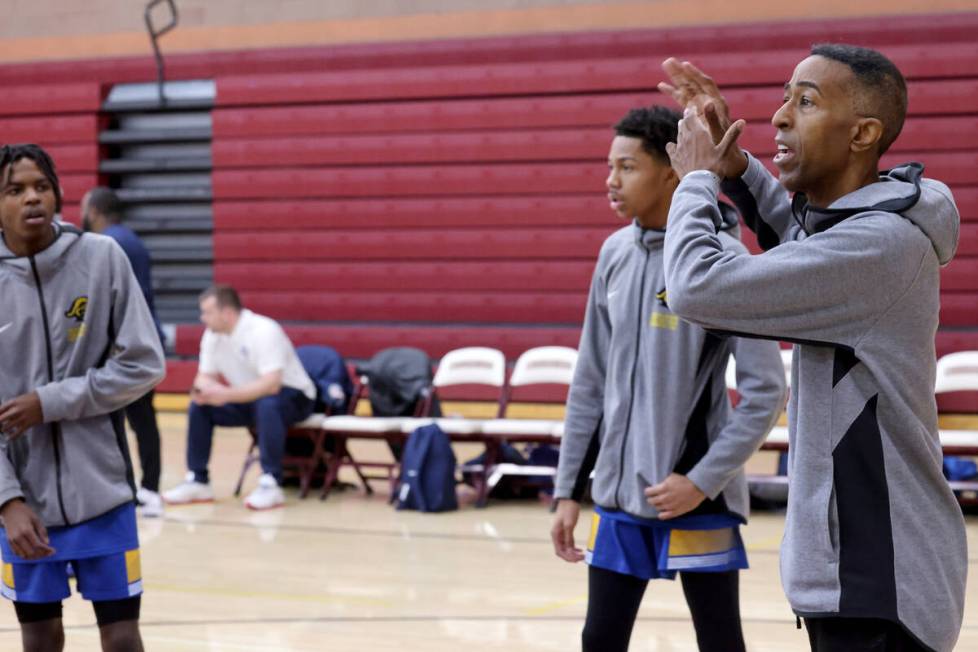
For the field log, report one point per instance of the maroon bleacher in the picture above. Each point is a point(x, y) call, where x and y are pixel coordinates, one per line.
point(449, 193)
point(405, 192)
point(733, 39)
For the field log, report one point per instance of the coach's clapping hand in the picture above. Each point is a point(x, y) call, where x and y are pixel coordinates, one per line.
point(693, 89)
point(562, 532)
point(674, 496)
point(694, 148)
point(19, 414)
point(27, 535)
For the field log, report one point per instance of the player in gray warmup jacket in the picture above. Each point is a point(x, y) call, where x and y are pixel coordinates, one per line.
point(77, 344)
point(874, 553)
point(648, 410)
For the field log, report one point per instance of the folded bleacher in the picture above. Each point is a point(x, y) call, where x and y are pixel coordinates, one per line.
point(450, 194)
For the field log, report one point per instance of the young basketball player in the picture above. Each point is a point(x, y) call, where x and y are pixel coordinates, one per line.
point(874, 554)
point(648, 411)
point(77, 344)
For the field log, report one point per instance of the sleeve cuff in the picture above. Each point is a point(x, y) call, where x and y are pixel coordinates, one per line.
point(704, 178)
point(753, 172)
point(561, 491)
point(51, 406)
point(702, 482)
point(12, 493)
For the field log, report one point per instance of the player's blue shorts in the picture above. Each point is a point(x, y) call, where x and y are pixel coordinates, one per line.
point(654, 549)
point(103, 553)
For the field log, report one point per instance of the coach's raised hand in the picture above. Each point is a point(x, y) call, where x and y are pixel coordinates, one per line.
point(692, 89)
point(694, 148)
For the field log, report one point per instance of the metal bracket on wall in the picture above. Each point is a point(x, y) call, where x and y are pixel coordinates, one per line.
point(154, 35)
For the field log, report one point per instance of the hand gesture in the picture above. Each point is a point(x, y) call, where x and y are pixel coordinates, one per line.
point(693, 89)
point(695, 150)
point(27, 535)
point(562, 531)
point(674, 496)
point(20, 414)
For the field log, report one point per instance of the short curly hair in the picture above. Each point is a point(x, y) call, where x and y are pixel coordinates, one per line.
point(655, 126)
point(10, 154)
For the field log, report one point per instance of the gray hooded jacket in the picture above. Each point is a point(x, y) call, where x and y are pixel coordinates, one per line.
point(75, 328)
point(649, 397)
point(872, 528)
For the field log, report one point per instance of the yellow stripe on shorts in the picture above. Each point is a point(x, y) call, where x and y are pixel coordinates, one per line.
point(700, 542)
point(8, 575)
point(595, 522)
point(134, 568)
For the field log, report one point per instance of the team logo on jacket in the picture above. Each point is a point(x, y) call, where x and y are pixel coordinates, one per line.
point(662, 297)
point(77, 312)
point(77, 309)
point(665, 320)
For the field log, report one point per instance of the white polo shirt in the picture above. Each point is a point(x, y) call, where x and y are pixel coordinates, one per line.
point(255, 347)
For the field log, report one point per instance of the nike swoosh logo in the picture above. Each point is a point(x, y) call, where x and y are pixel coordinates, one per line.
point(3, 328)
point(612, 293)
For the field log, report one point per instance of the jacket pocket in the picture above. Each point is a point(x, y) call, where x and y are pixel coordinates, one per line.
point(832, 522)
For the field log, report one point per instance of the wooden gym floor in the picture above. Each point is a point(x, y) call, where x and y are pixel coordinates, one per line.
point(353, 574)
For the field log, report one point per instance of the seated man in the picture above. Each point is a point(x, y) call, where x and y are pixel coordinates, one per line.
point(268, 390)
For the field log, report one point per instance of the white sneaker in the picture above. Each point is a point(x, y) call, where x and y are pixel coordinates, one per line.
point(189, 492)
point(267, 495)
point(150, 503)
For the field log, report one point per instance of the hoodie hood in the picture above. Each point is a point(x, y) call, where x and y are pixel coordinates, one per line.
point(65, 238)
point(903, 190)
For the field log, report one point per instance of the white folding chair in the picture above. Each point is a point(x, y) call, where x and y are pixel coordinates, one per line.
point(957, 372)
point(551, 365)
point(343, 427)
point(305, 465)
point(473, 365)
point(777, 439)
point(730, 377)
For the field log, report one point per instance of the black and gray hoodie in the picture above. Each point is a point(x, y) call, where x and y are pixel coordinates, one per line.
point(75, 328)
point(872, 528)
point(649, 397)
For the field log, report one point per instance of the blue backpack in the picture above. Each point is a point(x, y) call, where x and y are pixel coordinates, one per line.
point(959, 468)
point(427, 481)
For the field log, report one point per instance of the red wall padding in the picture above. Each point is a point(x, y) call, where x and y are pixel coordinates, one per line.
point(451, 193)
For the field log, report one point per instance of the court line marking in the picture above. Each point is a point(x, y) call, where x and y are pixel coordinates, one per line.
point(550, 607)
point(392, 533)
point(753, 547)
point(289, 597)
point(398, 534)
point(340, 620)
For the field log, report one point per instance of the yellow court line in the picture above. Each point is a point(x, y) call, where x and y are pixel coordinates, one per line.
point(487, 410)
point(550, 607)
point(171, 402)
point(766, 544)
